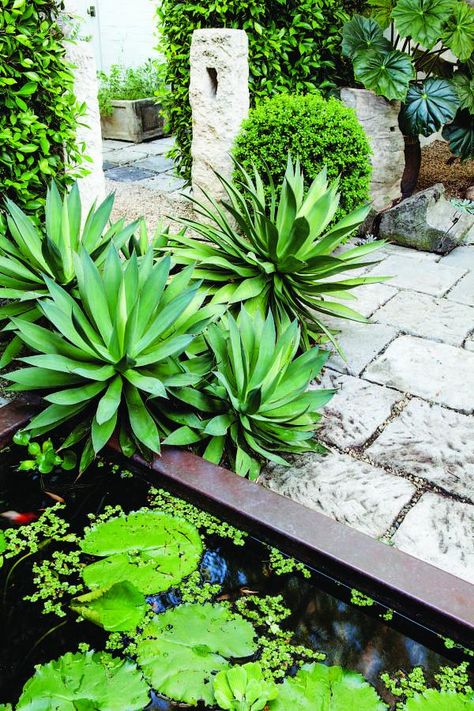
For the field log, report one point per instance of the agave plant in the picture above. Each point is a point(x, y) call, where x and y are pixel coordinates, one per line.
point(258, 403)
point(279, 253)
point(28, 255)
point(113, 351)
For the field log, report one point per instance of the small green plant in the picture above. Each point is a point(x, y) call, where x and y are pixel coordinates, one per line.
point(45, 457)
point(243, 688)
point(129, 84)
point(425, 31)
point(318, 132)
point(281, 257)
point(112, 351)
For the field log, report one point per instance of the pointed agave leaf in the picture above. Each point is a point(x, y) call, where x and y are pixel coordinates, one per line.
point(101, 433)
point(428, 106)
point(388, 73)
point(109, 403)
point(142, 423)
point(76, 395)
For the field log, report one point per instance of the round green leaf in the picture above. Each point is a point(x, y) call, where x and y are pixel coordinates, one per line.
point(465, 89)
point(422, 20)
point(182, 649)
point(460, 135)
point(381, 11)
point(151, 550)
point(428, 106)
point(317, 687)
point(86, 681)
point(432, 700)
point(243, 688)
point(386, 73)
point(117, 609)
point(361, 34)
point(458, 32)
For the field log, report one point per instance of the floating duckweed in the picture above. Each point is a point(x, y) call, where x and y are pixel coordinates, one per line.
point(282, 564)
point(361, 600)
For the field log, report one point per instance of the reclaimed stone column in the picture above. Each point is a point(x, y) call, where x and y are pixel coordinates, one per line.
point(219, 98)
point(379, 119)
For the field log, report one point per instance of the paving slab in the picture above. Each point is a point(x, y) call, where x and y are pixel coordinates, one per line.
point(463, 291)
point(355, 411)
point(418, 274)
point(110, 144)
point(462, 257)
point(128, 174)
point(158, 146)
point(431, 442)
point(360, 343)
point(371, 296)
point(164, 182)
point(434, 371)
point(350, 491)
point(439, 531)
point(158, 164)
point(125, 156)
point(397, 250)
point(423, 315)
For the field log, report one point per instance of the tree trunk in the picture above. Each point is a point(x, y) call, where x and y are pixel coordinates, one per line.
point(412, 165)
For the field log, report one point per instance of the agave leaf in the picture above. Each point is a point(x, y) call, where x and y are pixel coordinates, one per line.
point(101, 433)
point(422, 20)
point(142, 423)
point(387, 73)
point(458, 31)
point(428, 106)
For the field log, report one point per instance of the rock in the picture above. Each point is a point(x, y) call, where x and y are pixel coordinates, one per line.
point(379, 119)
point(469, 194)
point(426, 221)
point(219, 98)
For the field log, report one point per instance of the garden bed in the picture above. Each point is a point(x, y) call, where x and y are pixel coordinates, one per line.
point(326, 616)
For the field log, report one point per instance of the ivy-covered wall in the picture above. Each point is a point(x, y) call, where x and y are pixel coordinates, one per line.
point(294, 46)
point(38, 110)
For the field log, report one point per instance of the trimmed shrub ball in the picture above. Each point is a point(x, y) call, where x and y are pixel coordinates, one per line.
point(319, 132)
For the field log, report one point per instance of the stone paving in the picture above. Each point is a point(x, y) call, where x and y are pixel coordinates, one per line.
point(400, 429)
point(144, 164)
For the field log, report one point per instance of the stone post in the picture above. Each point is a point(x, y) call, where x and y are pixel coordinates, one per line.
point(379, 119)
point(219, 97)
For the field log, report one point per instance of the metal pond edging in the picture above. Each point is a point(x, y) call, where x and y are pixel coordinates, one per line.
point(423, 593)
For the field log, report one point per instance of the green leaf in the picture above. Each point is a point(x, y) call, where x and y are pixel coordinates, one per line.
point(386, 73)
point(243, 688)
point(381, 11)
point(153, 551)
point(428, 106)
point(120, 608)
point(316, 687)
point(92, 680)
point(141, 422)
point(460, 135)
point(422, 20)
point(361, 34)
point(464, 85)
point(432, 700)
point(182, 649)
point(458, 32)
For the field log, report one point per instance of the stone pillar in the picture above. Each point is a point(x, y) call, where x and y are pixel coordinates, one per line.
point(219, 98)
point(92, 186)
point(379, 119)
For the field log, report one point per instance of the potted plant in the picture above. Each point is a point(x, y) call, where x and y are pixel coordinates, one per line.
point(128, 111)
point(427, 63)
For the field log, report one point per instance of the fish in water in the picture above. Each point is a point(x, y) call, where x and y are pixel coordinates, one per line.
point(19, 518)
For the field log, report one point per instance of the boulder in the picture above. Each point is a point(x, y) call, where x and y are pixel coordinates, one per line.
point(426, 221)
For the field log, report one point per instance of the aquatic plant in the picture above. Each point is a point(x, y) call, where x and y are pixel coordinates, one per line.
point(87, 681)
point(331, 688)
point(149, 549)
point(118, 608)
point(182, 649)
point(432, 700)
point(45, 457)
point(243, 688)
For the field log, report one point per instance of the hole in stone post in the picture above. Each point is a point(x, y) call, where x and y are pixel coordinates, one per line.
point(212, 72)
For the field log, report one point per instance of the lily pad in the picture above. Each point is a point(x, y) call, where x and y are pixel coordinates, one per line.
point(183, 649)
point(93, 680)
point(152, 550)
point(244, 688)
point(432, 700)
point(117, 609)
point(317, 687)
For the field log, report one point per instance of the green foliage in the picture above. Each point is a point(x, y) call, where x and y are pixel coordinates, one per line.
point(258, 404)
point(119, 342)
point(182, 649)
point(38, 110)
point(85, 681)
point(50, 526)
point(243, 688)
point(293, 48)
point(413, 685)
point(319, 133)
point(282, 564)
point(151, 550)
point(45, 457)
point(427, 29)
point(56, 580)
point(117, 609)
point(432, 700)
point(30, 254)
point(282, 258)
point(129, 83)
point(361, 600)
point(317, 687)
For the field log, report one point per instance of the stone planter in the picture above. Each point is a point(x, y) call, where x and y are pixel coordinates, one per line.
point(134, 121)
point(379, 119)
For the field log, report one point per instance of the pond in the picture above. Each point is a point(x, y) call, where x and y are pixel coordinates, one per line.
point(222, 598)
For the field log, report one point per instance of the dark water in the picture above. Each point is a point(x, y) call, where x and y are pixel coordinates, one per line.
point(355, 638)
